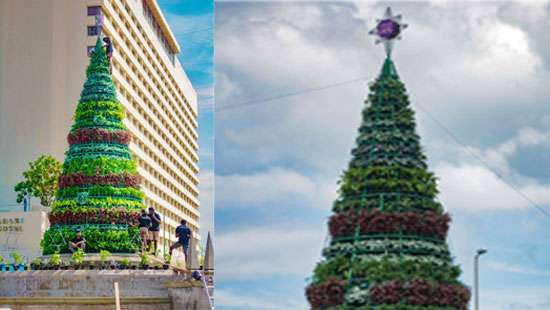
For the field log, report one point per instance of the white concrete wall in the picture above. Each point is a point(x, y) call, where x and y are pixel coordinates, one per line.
point(42, 70)
point(21, 232)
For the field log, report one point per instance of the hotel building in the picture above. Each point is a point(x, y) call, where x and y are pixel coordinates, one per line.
point(44, 49)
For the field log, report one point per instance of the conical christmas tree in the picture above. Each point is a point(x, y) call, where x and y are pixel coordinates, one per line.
point(99, 189)
point(388, 231)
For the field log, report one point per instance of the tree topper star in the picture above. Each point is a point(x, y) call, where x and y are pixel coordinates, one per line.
point(388, 29)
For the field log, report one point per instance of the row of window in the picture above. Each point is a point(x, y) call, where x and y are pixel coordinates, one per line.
point(166, 143)
point(162, 194)
point(161, 163)
point(157, 29)
point(156, 111)
point(93, 30)
point(174, 86)
point(153, 78)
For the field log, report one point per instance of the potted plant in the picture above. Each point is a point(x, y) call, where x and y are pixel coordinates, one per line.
point(103, 256)
point(78, 258)
point(2, 264)
point(167, 259)
point(36, 264)
point(17, 261)
point(64, 265)
point(55, 260)
point(144, 263)
point(124, 263)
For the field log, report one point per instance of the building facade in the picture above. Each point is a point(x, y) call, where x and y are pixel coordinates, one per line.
point(44, 47)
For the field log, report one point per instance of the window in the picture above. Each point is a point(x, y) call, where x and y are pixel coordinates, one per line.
point(90, 49)
point(92, 31)
point(94, 10)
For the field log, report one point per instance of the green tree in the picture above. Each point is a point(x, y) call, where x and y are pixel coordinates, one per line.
point(99, 186)
point(40, 180)
point(388, 248)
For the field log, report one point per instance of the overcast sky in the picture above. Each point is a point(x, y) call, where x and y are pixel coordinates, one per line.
point(481, 69)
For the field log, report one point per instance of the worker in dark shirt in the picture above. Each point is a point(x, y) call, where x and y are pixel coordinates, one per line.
point(144, 224)
point(78, 242)
point(154, 230)
point(184, 234)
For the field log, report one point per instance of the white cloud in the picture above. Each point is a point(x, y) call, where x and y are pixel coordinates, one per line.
point(261, 252)
point(512, 268)
point(243, 300)
point(275, 185)
point(475, 188)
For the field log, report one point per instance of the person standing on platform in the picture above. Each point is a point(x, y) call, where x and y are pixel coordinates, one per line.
point(144, 225)
point(184, 234)
point(154, 230)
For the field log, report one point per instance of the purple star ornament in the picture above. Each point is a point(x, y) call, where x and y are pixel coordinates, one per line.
point(388, 29)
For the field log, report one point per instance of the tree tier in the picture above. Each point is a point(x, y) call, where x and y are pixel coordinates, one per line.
point(364, 222)
point(94, 216)
point(113, 238)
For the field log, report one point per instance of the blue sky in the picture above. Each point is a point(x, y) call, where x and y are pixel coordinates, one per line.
point(191, 22)
point(481, 69)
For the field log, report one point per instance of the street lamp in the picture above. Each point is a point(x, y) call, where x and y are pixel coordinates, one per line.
point(476, 276)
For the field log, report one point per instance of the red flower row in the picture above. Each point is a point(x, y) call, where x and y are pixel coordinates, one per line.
point(95, 216)
point(79, 179)
point(326, 294)
point(420, 292)
point(99, 135)
point(413, 223)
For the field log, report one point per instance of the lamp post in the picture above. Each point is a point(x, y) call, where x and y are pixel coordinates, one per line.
point(476, 276)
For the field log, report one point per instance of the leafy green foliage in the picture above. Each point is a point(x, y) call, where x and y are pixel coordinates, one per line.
point(103, 202)
point(98, 190)
point(40, 180)
point(125, 262)
point(97, 239)
point(17, 258)
point(104, 255)
point(78, 256)
point(385, 270)
point(144, 259)
point(55, 259)
point(100, 164)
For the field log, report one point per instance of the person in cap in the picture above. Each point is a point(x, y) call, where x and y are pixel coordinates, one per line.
point(78, 242)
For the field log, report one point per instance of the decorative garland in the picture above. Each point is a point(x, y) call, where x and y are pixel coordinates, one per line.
point(104, 202)
point(420, 292)
point(395, 245)
point(387, 202)
point(428, 224)
point(372, 271)
point(96, 135)
point(97, 190)
point(99, 165)
point(94, 216)
point(80, 179)
point(326, 294)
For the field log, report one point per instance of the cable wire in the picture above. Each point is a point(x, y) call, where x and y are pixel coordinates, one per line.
point(290, 94)
point(424, 110)
point(481, 160)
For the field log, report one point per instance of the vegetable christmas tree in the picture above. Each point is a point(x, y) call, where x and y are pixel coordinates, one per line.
point(388, 231)
point(99, 188)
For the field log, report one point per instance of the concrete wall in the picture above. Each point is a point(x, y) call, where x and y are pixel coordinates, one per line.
point(42, 69)
point(93, 289)
point(22, 232)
